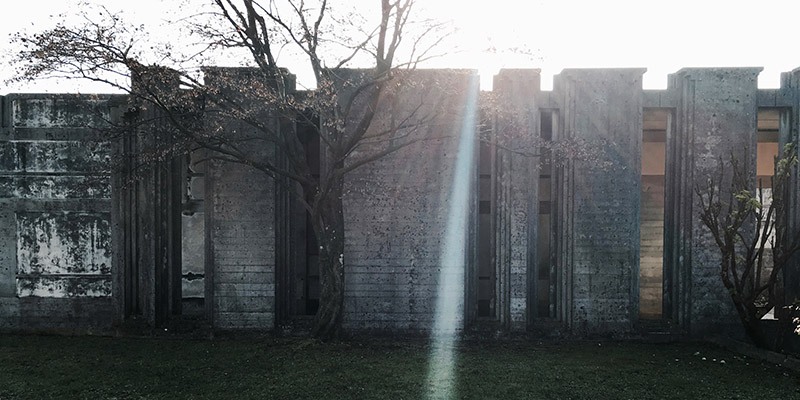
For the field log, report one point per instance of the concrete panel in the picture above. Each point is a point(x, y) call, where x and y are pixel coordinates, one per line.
point(396, 210)
point(58, 111)
point(70, 243)
point(517, 128)
point(603, 109)
point(717, 118)
point(244, 320)
point(64, 286)
point(55, 187)
point(55, 229)
point(790, 133)
point(193, 255)
point(54, 156)
point(240, 225)
point(82, 314)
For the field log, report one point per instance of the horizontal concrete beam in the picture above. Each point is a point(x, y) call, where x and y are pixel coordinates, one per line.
point(773, 98)
point(658, 99)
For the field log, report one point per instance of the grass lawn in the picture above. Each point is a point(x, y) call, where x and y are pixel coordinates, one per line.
point(100, 368)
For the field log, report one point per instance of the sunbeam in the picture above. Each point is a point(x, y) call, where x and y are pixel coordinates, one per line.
point(450, 294)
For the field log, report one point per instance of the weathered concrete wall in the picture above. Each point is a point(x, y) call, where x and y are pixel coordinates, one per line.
point(517, 128)
point(193, 254)
point(716, 118)
point(56, 227)
point(240, 229)
point(604, 109)
point(790, 133)
point(149, 201)
point(241, 241)
point(396, 210)
point(55, 221)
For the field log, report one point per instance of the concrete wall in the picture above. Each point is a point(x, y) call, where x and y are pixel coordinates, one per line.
point(396, 209)
point(240, 227)
point(517, 173)
point(55, 214)
point(790, 133)
point(56, 230)
point(241, 240)
point(716, 118)
point(603, 109)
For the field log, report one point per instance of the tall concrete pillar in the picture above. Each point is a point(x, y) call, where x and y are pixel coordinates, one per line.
point(790, 133)
point(601, 114)
point(148, 211)
point(716, 117)
point(241, 228)
point(406, 239)
point(517, 176)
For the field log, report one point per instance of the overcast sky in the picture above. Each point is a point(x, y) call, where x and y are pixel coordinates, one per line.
point(662, 36)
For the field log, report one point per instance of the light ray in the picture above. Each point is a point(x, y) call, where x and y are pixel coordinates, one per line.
point(450, 293)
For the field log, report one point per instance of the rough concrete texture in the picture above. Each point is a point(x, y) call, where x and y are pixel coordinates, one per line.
point(240, 226)
point(604, 108)
point(396, 210)
point(517, 193)
point(241, 242)
point(193, 256)
point(55, 224)
point(54, 209)
point(717, 119)
point(790, 133)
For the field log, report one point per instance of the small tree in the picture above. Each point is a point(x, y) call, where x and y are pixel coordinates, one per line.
point(744, 227)
point(343, 109)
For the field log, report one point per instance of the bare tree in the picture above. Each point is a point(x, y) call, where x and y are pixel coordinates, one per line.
point(746, 227)
point(344, 109)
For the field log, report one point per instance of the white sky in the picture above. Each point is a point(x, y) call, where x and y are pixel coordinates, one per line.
point(662, 36)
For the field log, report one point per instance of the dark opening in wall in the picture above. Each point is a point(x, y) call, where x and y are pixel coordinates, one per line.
point(485, 271)
point(545, 276)
point(297, 250)
point(651, 239)
point(305, 274)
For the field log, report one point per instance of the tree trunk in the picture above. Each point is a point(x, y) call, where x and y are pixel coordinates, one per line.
point(751, 323)
point(329, 228)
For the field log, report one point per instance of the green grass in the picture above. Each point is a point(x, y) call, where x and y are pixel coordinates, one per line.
point(100, 368)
